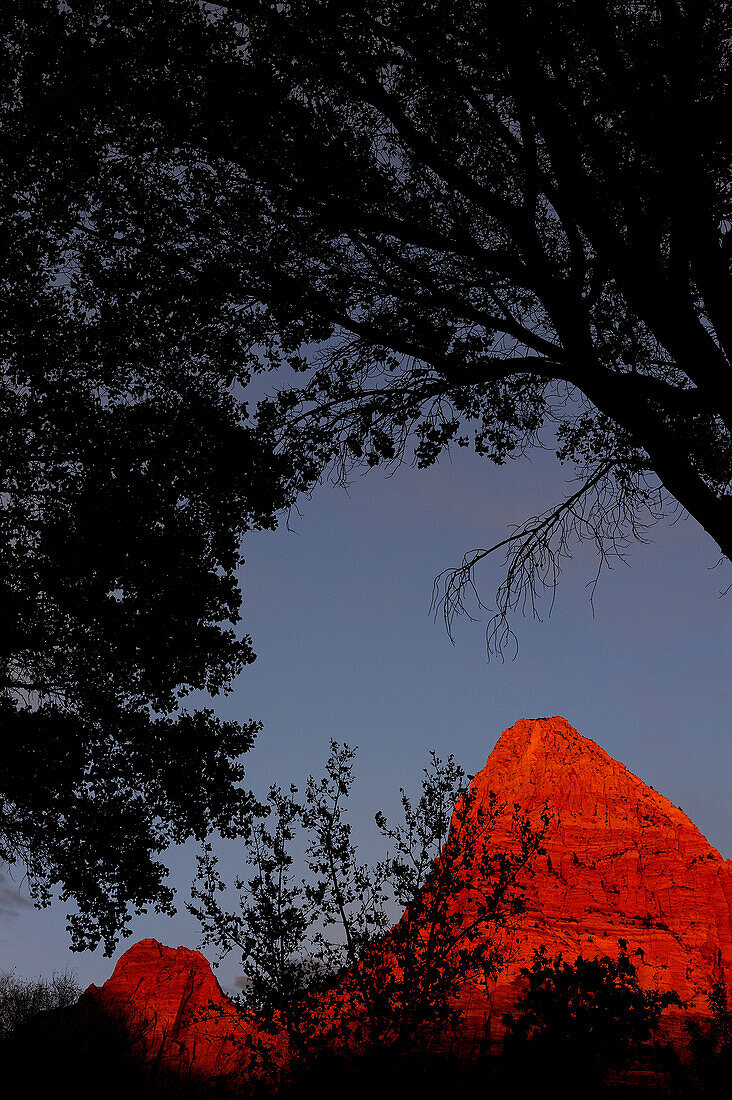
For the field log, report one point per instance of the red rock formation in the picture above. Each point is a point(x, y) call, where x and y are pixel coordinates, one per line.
point(182, 1017)
point(621, 862)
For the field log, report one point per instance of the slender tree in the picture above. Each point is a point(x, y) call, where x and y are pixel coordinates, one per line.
point(273, 924)
point(321, 961)
point(457, 905)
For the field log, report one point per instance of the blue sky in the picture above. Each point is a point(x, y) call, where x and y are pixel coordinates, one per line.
point(347, 649)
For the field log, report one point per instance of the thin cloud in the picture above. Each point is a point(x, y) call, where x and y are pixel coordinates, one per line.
point(12, 902)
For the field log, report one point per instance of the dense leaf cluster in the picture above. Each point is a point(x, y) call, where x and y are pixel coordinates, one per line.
point(128, 475)
point(581, 1019)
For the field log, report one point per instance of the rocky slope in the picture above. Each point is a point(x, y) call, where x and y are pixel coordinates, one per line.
point(621, 861)
point(180, 1015)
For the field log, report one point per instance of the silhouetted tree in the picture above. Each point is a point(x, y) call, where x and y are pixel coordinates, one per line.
point(463, 219)
point(271, 928)
point(456, 869)
point(284, 924)
point(122, 505)
point(711, 1045)
point(128, 476)
point(579, 1020)
point(451, 221)
point(316, 951)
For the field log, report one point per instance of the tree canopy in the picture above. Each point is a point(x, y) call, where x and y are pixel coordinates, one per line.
point(506, 216)
point(450, 224)
point(317, 952)
point(585, 1018)
point(467, 223)
point(128, 475)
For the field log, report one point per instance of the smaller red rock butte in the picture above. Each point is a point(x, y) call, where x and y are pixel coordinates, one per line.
point(621, 862)
point(188, 1022)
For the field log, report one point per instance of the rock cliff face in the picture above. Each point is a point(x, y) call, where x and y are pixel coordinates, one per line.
point(621, 862)
point(180, 1015)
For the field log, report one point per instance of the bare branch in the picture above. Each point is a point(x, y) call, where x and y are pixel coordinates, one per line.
point(602, 511)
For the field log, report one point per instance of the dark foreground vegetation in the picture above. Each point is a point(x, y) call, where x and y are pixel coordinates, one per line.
point(103, 1059)
point(550, 1045)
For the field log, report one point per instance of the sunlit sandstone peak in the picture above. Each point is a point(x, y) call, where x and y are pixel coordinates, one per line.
point(621, 861)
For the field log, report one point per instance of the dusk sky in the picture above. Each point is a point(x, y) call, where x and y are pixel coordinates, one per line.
point(339, 614)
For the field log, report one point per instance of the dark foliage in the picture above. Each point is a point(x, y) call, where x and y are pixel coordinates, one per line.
point(128, 475)
point(316, 948)
point(577, 1021)
point(458, 905)
point(505, 215)
point(711, 1045)
point(391, 1076)
point(106, 1063)
point(88, 1051)
point(49, 1043)
point(22, 1002)
point(455, 221)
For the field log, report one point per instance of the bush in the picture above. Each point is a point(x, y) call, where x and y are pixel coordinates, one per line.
point(584, 1019)
point(21, 1001)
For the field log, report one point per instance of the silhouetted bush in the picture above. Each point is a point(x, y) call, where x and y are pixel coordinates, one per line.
point(23, 1001)
point(89, 1051)
point(579, 1022)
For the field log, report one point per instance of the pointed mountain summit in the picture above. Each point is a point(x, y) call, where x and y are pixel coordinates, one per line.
point(621, 862)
